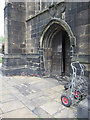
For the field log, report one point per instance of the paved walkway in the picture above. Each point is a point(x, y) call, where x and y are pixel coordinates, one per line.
point(35, 97)
point(32, 97)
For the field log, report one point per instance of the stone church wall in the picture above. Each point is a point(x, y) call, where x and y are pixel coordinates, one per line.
point(24, 33)
point(76, 16)
point(15, 33)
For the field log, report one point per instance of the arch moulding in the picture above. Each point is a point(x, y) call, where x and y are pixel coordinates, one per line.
point(64, 25)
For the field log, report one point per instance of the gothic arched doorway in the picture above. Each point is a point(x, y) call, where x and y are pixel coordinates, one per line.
point(56, 42)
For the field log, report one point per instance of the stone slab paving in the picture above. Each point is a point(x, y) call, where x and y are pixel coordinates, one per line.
point(32, 97)
point(7, 98)
point(12, 105)
point(71, 113)
point(52, 107)
point(19, 113)
point(41, 113)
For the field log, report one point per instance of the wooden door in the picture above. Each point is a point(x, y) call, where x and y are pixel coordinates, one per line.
point(57, 54)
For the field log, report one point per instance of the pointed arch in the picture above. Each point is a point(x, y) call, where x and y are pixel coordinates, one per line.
point(64, 25)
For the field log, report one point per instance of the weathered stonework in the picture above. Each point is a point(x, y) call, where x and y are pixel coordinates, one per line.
point(30, 34)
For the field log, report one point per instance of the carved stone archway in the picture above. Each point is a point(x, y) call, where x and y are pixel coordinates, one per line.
point(47, 35)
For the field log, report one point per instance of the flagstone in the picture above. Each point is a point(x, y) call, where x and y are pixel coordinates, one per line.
point(20, 113)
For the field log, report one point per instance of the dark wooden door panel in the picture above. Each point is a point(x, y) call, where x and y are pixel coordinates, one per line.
point(57, 54)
